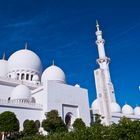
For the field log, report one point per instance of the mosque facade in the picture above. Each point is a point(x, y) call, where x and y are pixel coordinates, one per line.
point(30, 92)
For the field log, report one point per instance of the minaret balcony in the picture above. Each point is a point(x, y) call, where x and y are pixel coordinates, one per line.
point(100, 41)
point(102, 60)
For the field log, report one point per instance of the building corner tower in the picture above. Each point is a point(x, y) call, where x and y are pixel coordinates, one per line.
point(104, 86)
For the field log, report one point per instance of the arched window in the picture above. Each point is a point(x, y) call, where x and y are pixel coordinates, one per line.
point(27, 76)
point(68, 118)
point(22, 76)
point(18, 75)
point(9, 99)
point(32, 77)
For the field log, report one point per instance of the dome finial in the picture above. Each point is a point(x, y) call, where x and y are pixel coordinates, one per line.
point(53, 63)
point(3, 57)
point(97, 24)
point(26, 46)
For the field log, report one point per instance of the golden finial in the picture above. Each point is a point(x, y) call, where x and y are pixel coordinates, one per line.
point(3, 57)
point(53, 63)
point(26, 46)
point(97, 24)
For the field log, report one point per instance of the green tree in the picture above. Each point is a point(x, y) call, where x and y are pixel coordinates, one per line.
point(29, 127)
point(100, 132)
point(53, 122)
point(79, 124)
point(33, 137)
point(8, 122)
point(126, 129)
point(97, 131)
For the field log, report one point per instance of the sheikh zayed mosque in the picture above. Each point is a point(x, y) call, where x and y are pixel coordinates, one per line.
point(31, 93)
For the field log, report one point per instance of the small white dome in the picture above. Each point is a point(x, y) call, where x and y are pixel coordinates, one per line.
point(20, 92)
point(24, 60)
point(127, 109)
point(53, 73)
point(95, 105)
point(3, 67)
point(77, 85)
point(115, 108)
point(137, 110)
point(35, 78)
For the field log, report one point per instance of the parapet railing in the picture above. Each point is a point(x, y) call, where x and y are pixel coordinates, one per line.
point(19, 103)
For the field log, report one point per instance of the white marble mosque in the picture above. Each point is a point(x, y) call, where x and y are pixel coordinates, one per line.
point(30, 92)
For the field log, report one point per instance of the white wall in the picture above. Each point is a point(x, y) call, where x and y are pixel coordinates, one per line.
point(5, 91)
point(52, 95)
point(76, 100)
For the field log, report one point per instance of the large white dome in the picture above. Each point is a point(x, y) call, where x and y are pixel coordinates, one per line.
point(115, 108)
point(3, 67)
point(24, 60)
point(127, 109)
point(53, 73)
point(95, 105)
point(20, 92)
point(137, 110)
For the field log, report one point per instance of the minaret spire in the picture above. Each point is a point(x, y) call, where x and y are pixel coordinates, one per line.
point(100, 44)
point(97, 25)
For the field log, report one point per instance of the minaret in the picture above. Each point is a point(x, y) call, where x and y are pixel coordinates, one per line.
point(104, 86)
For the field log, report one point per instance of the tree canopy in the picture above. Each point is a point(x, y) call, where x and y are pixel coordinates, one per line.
point(79, 124)
point(30, 127)
point(125, 129)
point(8, 122)
point(53, 122)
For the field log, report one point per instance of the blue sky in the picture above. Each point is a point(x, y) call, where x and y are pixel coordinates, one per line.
point(64, 30)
